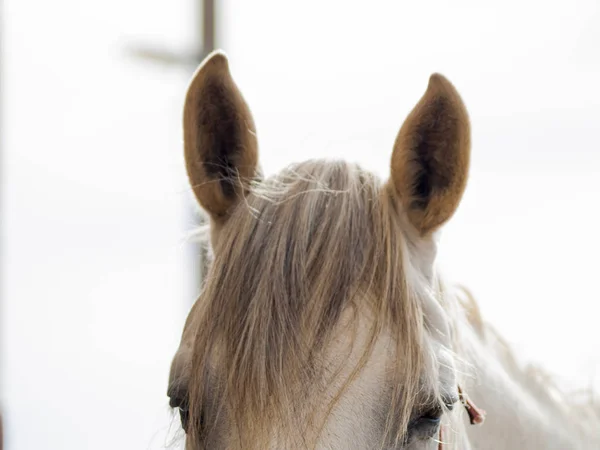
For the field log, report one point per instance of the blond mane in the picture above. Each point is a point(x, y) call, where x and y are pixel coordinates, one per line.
point(303, 248)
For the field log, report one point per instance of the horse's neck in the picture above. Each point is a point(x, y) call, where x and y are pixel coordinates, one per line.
point(521, 415)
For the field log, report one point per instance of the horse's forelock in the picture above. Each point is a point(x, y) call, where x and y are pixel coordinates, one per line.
point(303, 248)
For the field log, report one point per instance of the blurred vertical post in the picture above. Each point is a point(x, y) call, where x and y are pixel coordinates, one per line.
point(208, 45)
point(206, 30)
point(1, 192)
point(208, 27)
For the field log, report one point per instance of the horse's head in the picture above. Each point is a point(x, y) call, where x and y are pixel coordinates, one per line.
point(322, 322)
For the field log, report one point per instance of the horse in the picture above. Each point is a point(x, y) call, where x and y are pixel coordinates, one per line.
point(323, 321)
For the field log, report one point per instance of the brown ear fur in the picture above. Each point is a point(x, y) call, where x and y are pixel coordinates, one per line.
point(431, 156)
point(221, 151)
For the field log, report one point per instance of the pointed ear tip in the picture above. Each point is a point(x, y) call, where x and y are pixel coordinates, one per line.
point(437, 80)
point(217, 54)
point(215, 63)
point(440, 85)
point(437, 76)
point(216, 58)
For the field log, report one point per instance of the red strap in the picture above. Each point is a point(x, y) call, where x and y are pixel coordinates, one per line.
point(476, 415)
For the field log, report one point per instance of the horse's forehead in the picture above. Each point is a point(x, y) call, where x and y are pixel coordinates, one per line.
point(354, 332)
point(361, 413)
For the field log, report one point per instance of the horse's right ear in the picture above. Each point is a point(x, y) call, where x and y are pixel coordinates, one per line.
point(221, 151)
point(430, 163)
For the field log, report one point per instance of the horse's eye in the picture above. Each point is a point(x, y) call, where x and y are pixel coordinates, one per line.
point(184, 416)
point(178, 398)
point(432, 416)
point(427, 424)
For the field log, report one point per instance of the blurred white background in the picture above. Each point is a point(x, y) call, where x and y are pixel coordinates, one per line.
point(96, 275)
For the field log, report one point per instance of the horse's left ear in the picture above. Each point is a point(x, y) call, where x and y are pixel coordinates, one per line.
point(221, 151)
point(430, 162)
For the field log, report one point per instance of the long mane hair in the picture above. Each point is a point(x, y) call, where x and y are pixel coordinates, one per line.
point(303, 248)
